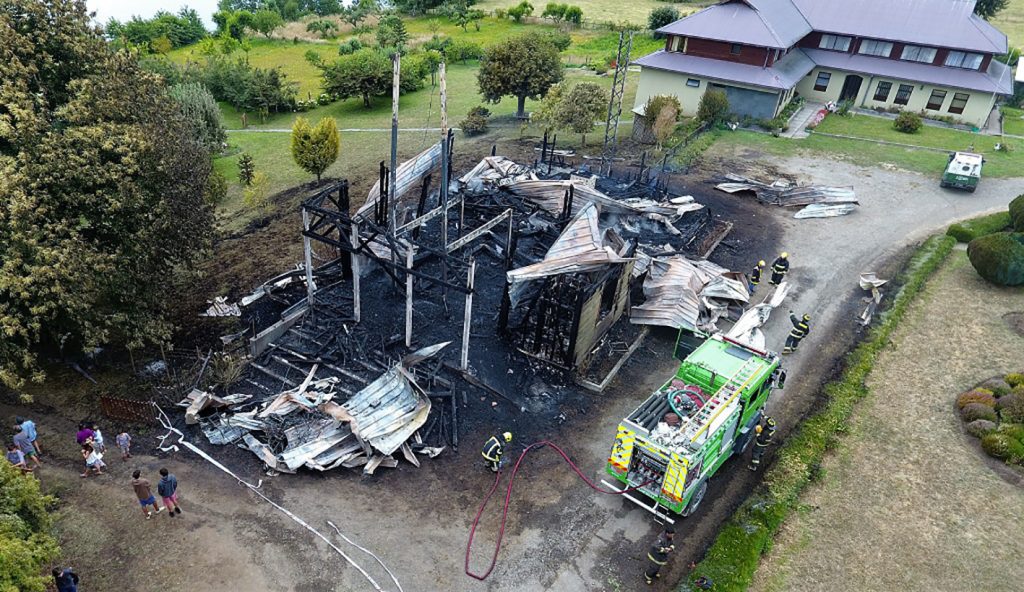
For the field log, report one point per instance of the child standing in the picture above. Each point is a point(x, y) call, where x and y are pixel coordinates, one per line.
point(168, 490)
point(93, 460)
point(97, 439)
point(124, 441)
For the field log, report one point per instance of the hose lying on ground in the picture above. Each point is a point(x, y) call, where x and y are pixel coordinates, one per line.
point(508, 500)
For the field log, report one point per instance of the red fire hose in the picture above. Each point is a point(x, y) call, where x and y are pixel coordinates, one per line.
point(508, 500)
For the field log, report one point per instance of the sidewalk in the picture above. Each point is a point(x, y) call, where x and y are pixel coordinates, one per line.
point(801, 119)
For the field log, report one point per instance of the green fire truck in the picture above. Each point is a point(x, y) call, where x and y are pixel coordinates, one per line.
point(675, 441)
point(963, 171)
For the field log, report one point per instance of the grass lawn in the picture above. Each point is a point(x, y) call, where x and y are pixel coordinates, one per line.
point(614, 11)
point(268, 53)
point(1013, 121)
point(909, 502)
point(361, 151)
point(1011, 22)
point(871, 154)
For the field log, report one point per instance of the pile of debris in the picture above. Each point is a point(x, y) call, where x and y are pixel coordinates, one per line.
point(305, 426)
point(688, 294)
point(819, 201)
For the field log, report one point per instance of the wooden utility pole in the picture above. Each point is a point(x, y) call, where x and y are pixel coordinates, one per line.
point(392, 197)
point(444, 180)
point(355, 270)
point(408, 294)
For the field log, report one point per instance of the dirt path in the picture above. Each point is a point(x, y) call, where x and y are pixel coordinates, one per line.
point(910, 502)
point(561, 535)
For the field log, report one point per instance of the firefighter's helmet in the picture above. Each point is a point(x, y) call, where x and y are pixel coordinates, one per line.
point(770, 421)
point(785, 255)
point(761, 263)
point(507, 436)
point(807, 317)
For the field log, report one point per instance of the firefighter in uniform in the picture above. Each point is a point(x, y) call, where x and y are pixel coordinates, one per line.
point(780, 267)
point(800, 330)
point(765, 433)
point(493, 449)
point(658, 555)
point(755, 276)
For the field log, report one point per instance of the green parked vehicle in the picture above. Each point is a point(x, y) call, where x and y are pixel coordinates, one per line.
point(677, 439)
point(963, 171)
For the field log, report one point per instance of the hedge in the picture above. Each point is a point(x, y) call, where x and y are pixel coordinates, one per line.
point(1017, 213)
point(969, 230)
point(734, 556)
point(999, 257)
point(26, 546)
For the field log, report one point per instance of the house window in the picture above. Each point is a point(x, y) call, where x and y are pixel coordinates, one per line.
point(935, 101)
point(836, 42)
point(882, 91)
point(958, 103)
point(821, 82)
point(875, 48)
point(736, 49)
point(903, 94)
point(916, 53)
point(676, 44)
point(693, 82)
point(960, 59)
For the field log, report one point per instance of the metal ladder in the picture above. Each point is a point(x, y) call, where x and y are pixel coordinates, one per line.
point(725, 395)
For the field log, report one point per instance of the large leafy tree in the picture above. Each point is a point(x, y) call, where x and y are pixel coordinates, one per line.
point(265, 21)
point(102, 183)
point(523, 67)
point(987, 9)
point(364, 73)
point(202, 112)
point(315, 148)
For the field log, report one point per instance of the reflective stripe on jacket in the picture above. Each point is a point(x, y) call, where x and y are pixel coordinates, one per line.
point(492, 449)
point(800, 328)
point(780, 265)
point(755, 276)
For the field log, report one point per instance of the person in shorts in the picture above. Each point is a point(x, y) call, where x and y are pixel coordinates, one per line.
point(97, 439)
point(145, 494)
point(168, 490)
point(124, 442)
point(30, 428)
point(21, 440)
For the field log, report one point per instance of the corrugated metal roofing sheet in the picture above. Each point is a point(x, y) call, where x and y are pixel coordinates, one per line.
point(408, 174)
point(770, 23)
point(782, 76)
point(387, 411)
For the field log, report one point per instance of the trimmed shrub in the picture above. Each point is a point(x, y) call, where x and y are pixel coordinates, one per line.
point(475, 122)
point(998, 386)
point(1015, 379)
point(980, 427)
point(974, 411)
point(1017, 212)
point(713, 107)
point(907, 122)
point(1011, 408)
point(999, 257)
point(1003, 447)
point(981, 396)
point(969, 230)
point(1013, 430)
point(1006, 400)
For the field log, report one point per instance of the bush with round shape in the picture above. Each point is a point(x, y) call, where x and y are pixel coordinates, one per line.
point(907, 122)
point(1015, 379)
point(982, 396)
point(1013, 430)
point(661, 16)
point(999, 257)
point(974, 411)
point(1012, 410)
point(980, 427)
point(1007, 400)
point(1003, 447)
point(1017, 213)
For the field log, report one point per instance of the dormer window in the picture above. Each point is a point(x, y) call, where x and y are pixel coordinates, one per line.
point(835, 42)
point(875, 48)
point(960, 59)
point(916, 53)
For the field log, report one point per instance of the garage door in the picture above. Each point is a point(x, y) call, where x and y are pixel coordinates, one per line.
point(743, 101)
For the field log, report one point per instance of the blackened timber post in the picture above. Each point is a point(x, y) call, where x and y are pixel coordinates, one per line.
point(468, 316)
point(307, 249)
point(354, 237)
point(408, 294)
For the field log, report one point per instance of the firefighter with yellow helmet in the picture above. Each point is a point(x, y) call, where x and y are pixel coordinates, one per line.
point(494, 448)
point(780, 267)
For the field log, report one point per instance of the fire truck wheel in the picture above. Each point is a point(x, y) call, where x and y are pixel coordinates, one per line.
point(698, 497)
